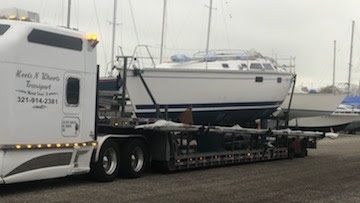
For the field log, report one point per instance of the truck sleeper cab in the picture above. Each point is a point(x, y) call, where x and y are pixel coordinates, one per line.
point(48, 79)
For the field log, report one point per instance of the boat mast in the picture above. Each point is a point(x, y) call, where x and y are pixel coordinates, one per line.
point(208, 34)
point(113, 38)
point(68, 14)
point(351, 49)
point(162, 32)
point(333, 84)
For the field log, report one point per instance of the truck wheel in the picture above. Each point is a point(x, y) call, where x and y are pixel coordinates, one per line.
point(107, 167)
point(134, 159)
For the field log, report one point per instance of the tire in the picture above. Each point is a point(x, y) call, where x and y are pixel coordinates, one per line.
point(303, 152)
point(134, 158)
point(106, 169)
point(291, 153)
point(160, 166)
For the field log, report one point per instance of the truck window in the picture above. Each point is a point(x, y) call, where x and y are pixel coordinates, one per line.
point(56, 40)
point(72, 91)
point(3, 28)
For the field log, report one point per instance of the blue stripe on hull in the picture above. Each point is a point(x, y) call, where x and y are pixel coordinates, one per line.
point(210, 105)
point(221, 117)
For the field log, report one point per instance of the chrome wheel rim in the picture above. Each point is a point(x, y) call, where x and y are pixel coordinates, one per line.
point(109, 161)
point(137, 159)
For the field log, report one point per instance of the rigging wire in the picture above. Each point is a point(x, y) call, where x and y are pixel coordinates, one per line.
point(54, 15)
point(225, 23)
point(100, 33)
point(189, 15)
point(135, 28)
point(133, 21)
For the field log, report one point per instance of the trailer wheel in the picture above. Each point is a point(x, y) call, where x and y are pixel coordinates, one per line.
point(107, 167)
point(303, 148)
point(134, 159)
point(160, 166)
point(291, 153)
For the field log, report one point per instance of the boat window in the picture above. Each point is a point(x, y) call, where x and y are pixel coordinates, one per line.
point(3, 28)
point(268, 66)
point(225, 65)
point(56, 40)
point(242, 66)
point(256, 66)
point(279, 80)
point(72, 91)
point(259, 79)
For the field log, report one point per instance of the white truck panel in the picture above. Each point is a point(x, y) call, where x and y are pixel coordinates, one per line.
point(45, 134)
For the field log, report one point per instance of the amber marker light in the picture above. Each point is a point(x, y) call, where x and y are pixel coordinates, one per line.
point(92, 37)
point(12, 17)
point(93, 40)
point(24, 18)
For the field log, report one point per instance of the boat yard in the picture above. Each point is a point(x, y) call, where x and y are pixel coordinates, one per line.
point(216, 108)
point(129, 143)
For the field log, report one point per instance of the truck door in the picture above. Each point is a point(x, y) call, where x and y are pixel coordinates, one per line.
point(71, 105)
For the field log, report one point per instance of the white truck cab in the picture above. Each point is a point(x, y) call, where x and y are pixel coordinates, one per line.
point(48, 101)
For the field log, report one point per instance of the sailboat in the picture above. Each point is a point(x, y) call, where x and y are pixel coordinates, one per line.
point(341, 117)
point(221, 87)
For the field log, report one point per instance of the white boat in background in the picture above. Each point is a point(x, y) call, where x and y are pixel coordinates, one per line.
point(346, 109)
point(345, 117)
point(319, 111)
point(311, 104)
point(324, 123)
point(221, 88)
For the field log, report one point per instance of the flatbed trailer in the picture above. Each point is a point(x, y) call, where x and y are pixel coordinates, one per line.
point(171, 146)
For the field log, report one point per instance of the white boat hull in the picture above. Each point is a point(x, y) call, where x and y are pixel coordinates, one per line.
point(308, 105)
point(335, 122)
point(216, 96)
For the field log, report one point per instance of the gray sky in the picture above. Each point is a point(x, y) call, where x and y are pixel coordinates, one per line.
point(304, 29)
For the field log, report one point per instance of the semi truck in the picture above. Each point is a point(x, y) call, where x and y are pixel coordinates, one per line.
point(51, 125)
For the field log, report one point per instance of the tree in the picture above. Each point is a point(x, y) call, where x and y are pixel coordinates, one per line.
point(331, 89)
